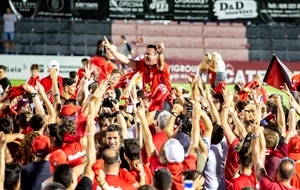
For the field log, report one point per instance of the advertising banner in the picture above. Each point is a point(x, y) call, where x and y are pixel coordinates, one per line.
point(18, 66)
point(235, 71)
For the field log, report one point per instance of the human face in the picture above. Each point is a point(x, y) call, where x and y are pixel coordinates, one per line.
point(34, 73)
point(110, 93)
point(71, 89)
point(150, 56)
point(113, 140)
point(2, 73)
point(114, 79)
point(146, 102)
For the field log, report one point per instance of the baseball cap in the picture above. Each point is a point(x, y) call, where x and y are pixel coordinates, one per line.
point(53, 64)
point(174, 151)
point(184, 140)
point(294, 148)
point(56, 158)
point(41, 145)
point(70, 109)
point(98, 165)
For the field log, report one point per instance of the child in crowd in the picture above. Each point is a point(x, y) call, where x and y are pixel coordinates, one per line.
point(35, 72)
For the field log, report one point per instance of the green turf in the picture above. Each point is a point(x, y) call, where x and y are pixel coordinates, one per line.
point(270, 89)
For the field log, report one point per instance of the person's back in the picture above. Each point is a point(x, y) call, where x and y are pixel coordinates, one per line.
point(35, 173)
point(214, 171)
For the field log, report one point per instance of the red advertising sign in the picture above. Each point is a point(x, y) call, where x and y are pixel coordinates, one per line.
point(235, 71)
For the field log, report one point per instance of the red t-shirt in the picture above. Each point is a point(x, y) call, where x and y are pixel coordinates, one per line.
point(159, 140)
point(243, 181)
point(295, 181)
point(231, 161)
point(147, 172)
point(123, 175)
point(75, 153)
point(152, 77)
point(117, 182)
point(267, 184)
point(176, 169)
point(80, 73)
point(47, 84)
point(32, 81)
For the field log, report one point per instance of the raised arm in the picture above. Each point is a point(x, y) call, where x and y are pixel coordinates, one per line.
point(150, 147)
point(280, 116)
point(36, 100)
point(228, 98)
point(195, 133)
point(2, 159)
point(176, 111)
point(119, 56)
point(212, 109)
point(49, 106)
point(161, 59)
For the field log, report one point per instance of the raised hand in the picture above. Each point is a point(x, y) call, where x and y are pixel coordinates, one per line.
point(106, 43)
point(160, 46)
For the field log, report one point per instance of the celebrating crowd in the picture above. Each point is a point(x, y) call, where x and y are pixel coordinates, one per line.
point(105, 128)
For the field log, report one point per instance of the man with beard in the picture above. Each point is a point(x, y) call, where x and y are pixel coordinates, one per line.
point(155, 75)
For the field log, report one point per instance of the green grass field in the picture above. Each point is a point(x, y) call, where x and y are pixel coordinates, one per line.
point(230, 87)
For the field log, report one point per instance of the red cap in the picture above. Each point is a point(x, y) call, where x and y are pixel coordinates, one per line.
point(294, 148)
point(69, 109)
point(41, 145)
point(56, 158)
point(98, 165)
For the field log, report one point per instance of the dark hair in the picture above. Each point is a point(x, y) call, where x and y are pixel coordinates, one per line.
point(152, 46)
point(123, 37)
point(140, 94)
point(63, 175)
point(66, 126)
point(191, 174)
point(237, 88)
point(241, 104)
point(21, 121)
point(54, 186)
point(85, 59)
point(36, 122)
point(3, 67)
point(6, 125)
point(110, 156)
point(114, 127)
point(12, 175)
point(284, 170)
point(245, 160)
point(34, 67)
point(219, 97)
point(68, 82)
point(162, 179)
point(70, 101)
point(53, 133)
point(73, 74)
point(146, 187)
point(132, 149)
point(217, 134)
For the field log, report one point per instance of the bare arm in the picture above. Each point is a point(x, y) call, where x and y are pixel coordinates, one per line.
point(195, 133)
point(49, 107)
point(169, 129)
point(228, 98)
point(119, 56)
point(280, 116)
point(2, 159)
point(150, 148)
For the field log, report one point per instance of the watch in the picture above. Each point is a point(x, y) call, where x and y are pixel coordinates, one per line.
point(33, 94)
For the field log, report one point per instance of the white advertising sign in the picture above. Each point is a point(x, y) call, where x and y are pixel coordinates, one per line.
point(18, 66)
point(235, 9)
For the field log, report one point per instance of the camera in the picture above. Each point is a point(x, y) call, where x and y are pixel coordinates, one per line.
point(107, 102)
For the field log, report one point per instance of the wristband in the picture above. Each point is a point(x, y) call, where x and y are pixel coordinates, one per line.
point(33, 94)
point(254, 136)
point(159, 52)
point(174, 113)
point(142, 174)
point(55, 95)
point(118, 112)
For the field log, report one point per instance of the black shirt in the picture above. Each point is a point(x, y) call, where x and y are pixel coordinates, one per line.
point(4, 83)
point(84, 184)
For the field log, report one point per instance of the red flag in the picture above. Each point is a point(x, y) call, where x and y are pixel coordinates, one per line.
point(278, 74)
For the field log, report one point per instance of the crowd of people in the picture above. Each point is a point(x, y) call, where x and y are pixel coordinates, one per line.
point(106, 128)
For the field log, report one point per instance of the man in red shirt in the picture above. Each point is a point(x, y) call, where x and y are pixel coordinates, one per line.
point(155, 74)
point(47, 81)
point(247, 176)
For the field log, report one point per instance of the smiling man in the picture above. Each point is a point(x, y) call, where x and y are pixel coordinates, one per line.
point(155, 74)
